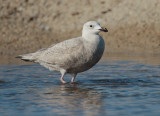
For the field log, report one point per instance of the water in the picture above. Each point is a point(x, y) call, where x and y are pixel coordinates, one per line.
point(112, 88)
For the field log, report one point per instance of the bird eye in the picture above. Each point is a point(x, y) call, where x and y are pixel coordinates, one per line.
point(91, 26)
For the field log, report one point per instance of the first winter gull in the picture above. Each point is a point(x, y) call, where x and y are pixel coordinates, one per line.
point(74, 55)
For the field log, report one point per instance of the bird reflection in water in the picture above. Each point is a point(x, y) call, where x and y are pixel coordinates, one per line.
point(70, 99)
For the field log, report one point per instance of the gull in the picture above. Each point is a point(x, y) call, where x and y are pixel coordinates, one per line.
point(74, 55)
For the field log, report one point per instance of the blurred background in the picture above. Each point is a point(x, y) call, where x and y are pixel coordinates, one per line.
point(28, 25)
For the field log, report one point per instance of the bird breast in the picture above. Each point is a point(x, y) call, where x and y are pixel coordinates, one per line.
point(92, 53)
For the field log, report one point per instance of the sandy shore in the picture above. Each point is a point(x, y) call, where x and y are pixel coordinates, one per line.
point(28, 25)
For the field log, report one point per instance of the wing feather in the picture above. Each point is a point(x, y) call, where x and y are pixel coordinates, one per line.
point(63, 53)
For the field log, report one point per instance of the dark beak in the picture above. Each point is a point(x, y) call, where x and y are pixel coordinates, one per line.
point(104, 29)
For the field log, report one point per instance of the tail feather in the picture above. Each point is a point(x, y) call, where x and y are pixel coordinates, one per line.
point(27, 57)
point(31, 57)
point(18, 56)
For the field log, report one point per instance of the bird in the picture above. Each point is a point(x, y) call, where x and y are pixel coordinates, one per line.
point(74, 55)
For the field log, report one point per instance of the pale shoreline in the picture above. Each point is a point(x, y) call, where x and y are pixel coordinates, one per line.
point(27, 26)
point(144, 59)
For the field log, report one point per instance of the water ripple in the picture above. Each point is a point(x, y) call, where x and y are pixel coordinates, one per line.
point(110, 88)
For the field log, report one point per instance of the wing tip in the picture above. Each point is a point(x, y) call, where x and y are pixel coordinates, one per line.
point(18, 56)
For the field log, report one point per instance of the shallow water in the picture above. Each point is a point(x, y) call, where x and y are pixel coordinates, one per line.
point(113, 88)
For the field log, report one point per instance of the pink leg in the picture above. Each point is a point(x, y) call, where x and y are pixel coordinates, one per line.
point(73, 77)
point(62, 80)
point(63, 73)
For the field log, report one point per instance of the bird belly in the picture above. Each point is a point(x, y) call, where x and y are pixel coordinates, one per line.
point(84, 63)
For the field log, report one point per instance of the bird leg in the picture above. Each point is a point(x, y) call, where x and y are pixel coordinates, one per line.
point(63, 73)
point(62, 80)
point(73, 77)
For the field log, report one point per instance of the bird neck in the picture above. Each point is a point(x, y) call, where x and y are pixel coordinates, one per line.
point(90, 36)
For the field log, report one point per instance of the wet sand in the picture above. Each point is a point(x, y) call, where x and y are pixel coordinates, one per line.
point(146, 59)
point(29, 25)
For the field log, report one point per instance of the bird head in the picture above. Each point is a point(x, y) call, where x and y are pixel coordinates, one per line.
point(92, 27)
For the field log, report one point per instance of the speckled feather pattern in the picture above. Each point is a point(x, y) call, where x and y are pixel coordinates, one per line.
point(74, 55)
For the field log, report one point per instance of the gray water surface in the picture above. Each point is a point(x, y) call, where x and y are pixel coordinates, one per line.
point(112, 88)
